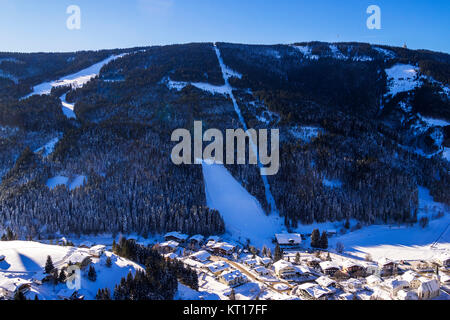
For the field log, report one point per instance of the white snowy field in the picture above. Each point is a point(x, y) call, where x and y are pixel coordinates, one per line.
point(25, 262)
point(244, 218)
point(402, 78)
point(75, 80)
point(67, 107)
point(403, 242)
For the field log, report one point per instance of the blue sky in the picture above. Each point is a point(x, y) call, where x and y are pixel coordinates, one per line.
point(30, 25)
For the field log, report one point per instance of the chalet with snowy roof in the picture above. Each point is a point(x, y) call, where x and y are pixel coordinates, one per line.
point(176, 236)
point(284, 269)
point(264, 261)
point(262, 271)
point(387, 266)
point(352, 284)
point(167, 247)
point(97, 251)
point(251, 262)
point(233, 278)
point(393, 286)
point(329, 268)
point(289, 240)
point(201, 256)
point(352, 267)
point(217, 268)
point(196, 240)
point(373, 280)
point(171, 256)
point(422, 266)
point(326, 282)
point(312, 291)
point(313, 262)
point(214, 239)
point(223, 249)
point(412, 278)
point(428, 289)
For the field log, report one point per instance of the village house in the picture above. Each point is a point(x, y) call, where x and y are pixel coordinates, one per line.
point(233, 278)
point(373, 280)
point(352, 285)
point(352, 267)
point(216, 268)
point(176, 236)
point(62, 242)
point(289, 241)
point(329, 268)
point(97, 251)
point(387, 266)
point(284, 269)
point(171, 256)
point(167, 247)
point(201, 256)
point(371, 268)
point(266, 262)
point(262, 271)
point(251, 263)
point(223, 249)
point(428, 289)
point(313, 262)
point(412, 278)
point(196, 241)
point(393, 286)
point(312, 291)
point(326, 282)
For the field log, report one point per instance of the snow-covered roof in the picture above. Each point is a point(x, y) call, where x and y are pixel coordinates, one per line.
point(407, 295)
point(261, 269)
point(170, 244)
point(214, 238)
point(197, 237)
point(328, 265)
point(373, 279)
point(264, 260)
point(232, 275)
point(314, 290)
point(385, 261)
point(289, 238)
point(218, 266)
point(325, 281)
point(171, 256)
point(410, 276)
point(177, 235)
point(396, 283)
point(282, 264)
point(250, 262)
point(304, 270)
point(431, 285)
point(350, 264)
point(98, 248)
point(201, 255)
point(224, 246)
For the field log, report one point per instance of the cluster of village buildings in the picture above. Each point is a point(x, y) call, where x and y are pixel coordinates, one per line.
point(306, 274)
point(298, 273)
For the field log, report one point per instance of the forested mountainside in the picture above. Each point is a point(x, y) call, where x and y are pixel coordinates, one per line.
point(361, 126)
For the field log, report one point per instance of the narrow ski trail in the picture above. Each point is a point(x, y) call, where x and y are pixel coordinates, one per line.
point(229, 90)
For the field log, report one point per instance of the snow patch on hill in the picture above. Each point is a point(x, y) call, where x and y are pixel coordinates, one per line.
point(70, 183)
point(402, 78)
point(48, 148)
point(67, 107)
point(305, 133)
point(25, 262)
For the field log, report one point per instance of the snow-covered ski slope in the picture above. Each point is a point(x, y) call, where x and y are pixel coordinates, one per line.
point(243, 215)
point(75, 80)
